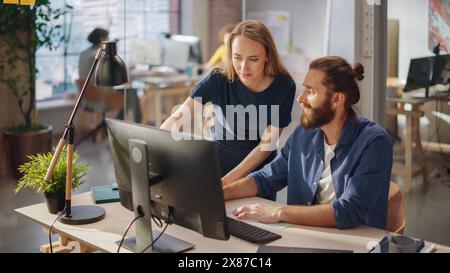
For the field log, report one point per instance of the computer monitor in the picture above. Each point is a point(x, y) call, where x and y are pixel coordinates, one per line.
point(175, 54)
point(441, 69)
point(419, 74)
point(426, 72)
point(175, 180)
point(146, 51)
point(195, 50)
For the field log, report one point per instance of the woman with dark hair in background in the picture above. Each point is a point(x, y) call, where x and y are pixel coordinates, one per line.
point(96, 37)
point(111, 99)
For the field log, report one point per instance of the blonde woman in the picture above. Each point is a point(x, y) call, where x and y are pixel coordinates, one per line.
point(252, 97)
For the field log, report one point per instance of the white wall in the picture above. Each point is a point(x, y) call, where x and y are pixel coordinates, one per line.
point(347, 33)
point(307, 21)
point(370, 50)
point(413, 32)
point(342, 29)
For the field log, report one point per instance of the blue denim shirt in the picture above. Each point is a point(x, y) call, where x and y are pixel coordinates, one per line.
point(361, 171)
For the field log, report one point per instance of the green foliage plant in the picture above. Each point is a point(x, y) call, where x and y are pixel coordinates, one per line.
point(23, 30)
point(34, 172)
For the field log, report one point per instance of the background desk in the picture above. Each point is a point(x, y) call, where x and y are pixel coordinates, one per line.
point(156, 88)
point(411, 139)
point(103, 234)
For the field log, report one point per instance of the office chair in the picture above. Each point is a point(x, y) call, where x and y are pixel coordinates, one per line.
point(396, 217)
point(99, 101)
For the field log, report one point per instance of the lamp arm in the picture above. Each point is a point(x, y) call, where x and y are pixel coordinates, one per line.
point(56, 155)
point(62, 140)
point(74, 111)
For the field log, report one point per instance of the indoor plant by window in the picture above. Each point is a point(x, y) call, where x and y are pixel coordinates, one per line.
point(33, 173)
point(23, 30)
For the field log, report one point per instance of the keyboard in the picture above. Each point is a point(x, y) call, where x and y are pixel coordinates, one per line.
point(250, 233)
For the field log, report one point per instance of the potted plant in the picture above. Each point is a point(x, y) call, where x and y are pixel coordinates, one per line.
point(33, 173)
point(23, 30)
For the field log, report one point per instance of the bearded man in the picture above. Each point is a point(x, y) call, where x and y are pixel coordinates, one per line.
point(336, 165)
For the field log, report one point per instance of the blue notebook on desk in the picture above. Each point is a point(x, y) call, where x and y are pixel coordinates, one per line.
point(104, 194)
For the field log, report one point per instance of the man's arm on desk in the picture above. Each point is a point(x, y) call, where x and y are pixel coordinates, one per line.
point(318, 215)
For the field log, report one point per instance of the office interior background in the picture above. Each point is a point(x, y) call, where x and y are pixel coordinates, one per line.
point(384, 39)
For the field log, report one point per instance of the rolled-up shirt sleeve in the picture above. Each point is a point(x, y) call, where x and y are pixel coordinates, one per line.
point(370, 179)
point(273, 176)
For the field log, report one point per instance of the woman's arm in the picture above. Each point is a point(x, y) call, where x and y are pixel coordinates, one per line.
point(183, 115)
point(260, 153)
point(245, 187)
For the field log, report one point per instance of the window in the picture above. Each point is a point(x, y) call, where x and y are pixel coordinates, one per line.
point(124, 20)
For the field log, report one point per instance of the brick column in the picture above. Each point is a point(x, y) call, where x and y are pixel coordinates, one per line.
point(221, 13)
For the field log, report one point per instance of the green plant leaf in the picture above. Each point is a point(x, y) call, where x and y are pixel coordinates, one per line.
point(34, 172)
point(15, 20)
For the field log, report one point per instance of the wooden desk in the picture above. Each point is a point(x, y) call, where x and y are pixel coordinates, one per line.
point(156, 89)
point(411, 141)
point(103, 234)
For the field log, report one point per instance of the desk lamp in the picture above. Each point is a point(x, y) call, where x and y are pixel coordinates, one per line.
point(111, 71)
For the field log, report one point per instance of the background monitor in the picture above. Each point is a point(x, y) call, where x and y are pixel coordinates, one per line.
point(419, 74)
point(195, 50)
point(441, 72)
point(175, 54)
point(182, 177)
point(146, 51)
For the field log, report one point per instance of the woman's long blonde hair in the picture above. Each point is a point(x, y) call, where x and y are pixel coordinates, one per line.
point(258, 32)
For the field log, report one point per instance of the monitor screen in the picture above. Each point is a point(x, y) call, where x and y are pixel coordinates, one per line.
point(144, 51)
point(183, 175)
point(419, 74)
point(175, 54)
point(441, 73)
point(195, 51)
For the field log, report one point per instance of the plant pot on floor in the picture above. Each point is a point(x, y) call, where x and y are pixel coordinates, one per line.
point(55, 201)
point(19, 145)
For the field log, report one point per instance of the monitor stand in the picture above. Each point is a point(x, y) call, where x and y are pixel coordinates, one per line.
point(165, 244)
point(140, 183)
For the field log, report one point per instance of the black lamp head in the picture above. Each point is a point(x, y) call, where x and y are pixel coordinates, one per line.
point(111, 69)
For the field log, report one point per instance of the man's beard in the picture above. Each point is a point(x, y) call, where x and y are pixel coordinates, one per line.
point(317, 117)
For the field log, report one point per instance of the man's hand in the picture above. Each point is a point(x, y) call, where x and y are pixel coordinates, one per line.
point(262, 213)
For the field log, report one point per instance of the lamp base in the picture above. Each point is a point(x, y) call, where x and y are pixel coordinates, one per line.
point(82, 215)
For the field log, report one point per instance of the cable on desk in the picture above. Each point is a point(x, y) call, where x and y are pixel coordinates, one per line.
point(51, 227)
point(159, 236)
point(126, 231)
point(141, 214)
point(157, 221)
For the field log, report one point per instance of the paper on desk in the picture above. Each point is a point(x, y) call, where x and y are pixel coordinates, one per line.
point(234, 204)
